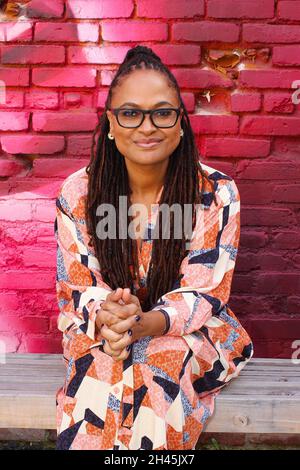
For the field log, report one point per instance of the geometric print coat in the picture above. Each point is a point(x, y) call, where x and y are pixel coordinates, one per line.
point(162, 395)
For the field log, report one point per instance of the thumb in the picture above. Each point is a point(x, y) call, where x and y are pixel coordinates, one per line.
point(129, 298)
point(115, 295)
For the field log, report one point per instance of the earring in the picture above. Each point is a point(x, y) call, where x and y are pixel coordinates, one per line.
point(110, 136)
point(181, 132)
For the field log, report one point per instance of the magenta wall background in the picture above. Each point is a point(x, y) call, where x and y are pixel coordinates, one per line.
point(57, 61)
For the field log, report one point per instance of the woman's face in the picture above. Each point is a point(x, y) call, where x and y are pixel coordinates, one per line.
point(145, 89)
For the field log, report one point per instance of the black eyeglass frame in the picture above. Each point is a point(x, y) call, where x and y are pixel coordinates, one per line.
point(116, 111)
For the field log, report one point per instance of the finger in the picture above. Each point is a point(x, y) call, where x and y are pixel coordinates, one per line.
point(123, 355)
point(121, 311)
point(115, 295)
point(124, 325)
point(129, 298)
point(108, 318)
point(108, 350)
point(110, 335)
point(121, 344)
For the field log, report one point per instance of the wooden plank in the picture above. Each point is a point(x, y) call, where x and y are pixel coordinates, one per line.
point(232, 414)
point(265, 397)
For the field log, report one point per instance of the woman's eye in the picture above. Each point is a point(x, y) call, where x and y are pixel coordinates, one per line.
point(129, 113)
point(163, 112)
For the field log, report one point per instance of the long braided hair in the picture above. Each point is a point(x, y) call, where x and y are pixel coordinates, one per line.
point(108, 179)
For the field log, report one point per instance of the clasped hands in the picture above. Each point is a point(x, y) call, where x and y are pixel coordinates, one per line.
point(118, 322)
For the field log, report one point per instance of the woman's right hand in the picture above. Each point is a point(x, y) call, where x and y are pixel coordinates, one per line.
point(116, 345)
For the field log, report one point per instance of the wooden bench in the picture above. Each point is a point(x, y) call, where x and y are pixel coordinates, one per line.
point(265, 398)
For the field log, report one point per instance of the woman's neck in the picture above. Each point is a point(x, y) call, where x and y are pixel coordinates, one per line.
point(146, 181)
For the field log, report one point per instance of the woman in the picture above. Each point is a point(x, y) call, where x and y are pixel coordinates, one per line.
point(148, 337)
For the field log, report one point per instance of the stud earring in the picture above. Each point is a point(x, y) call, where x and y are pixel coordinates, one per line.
point(110, 136)
point(181, 132)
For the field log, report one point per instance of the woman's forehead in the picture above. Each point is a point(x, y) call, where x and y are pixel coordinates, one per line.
point(144, 86)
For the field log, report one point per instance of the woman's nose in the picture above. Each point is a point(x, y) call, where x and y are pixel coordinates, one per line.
point(147, 124)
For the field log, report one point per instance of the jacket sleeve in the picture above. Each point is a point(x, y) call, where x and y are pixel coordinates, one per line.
point(204, 284)
point(79, 283)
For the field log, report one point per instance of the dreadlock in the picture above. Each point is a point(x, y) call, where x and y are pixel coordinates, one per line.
point(108, 179)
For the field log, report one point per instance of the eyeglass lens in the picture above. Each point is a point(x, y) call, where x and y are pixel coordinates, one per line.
point(134, 117)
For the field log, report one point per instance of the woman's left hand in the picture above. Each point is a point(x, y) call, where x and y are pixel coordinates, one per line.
point(124, 327)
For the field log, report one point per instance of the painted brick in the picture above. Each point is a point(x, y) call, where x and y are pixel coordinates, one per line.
point(27, 279)
point(268, 78)
point(79, 145)
point(226, 147)
point(281, 283)
point(173, 54)
point(95, 9)
point(78, 100)
point(289, 10)
point(33, 54)
point(66, 32)
point(64, 121)
point(284, 146)
point(197, 78)
point(277, 329)
point(56, 167)
point(106, 77)
point(8, 302)
point(39, 257)
point(278, 103)
point(286, 55)
point(36, 144)
point(44, 212)
point(14, 76)
point(270, 125)
point(15, 324)
point(189, 101)
point(13, 99)
point(9, 343)
point(237, 9)
point(268, 217)
point(259, 196)
point(14, 121)
point(167, 9)
point(293, 304)
point(38, 344)
point(286, 240)
point(269, 170)
point(245, 102)
point(15, 31)
point(68, 77)
point(270, 34)
point(41, 99)
point(287, 193)
point(218, 124)
point(25, 189)
point(252, 239)
point(206, 31)
point(45, 9)
point(101, 99)
point(9, 167)
point(133, 30)
point(97, 54)
point(12, 211)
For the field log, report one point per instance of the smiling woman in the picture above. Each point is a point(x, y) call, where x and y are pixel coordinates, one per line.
point(149, 339)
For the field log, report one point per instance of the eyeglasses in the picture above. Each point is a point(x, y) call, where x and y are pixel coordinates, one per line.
point(132, 118)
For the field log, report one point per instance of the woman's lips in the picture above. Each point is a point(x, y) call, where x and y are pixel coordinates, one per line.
point(148, 144)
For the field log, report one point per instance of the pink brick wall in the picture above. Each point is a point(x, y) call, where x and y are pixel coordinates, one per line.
point(57, 61)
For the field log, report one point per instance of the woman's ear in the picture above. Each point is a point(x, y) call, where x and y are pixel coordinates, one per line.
point(109, 115)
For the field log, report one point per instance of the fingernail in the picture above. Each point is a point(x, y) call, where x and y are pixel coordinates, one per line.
point(129, 332)
point(128, 347)
point(137, 318)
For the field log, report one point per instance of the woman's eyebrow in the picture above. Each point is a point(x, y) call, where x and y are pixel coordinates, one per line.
point(137, 106)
